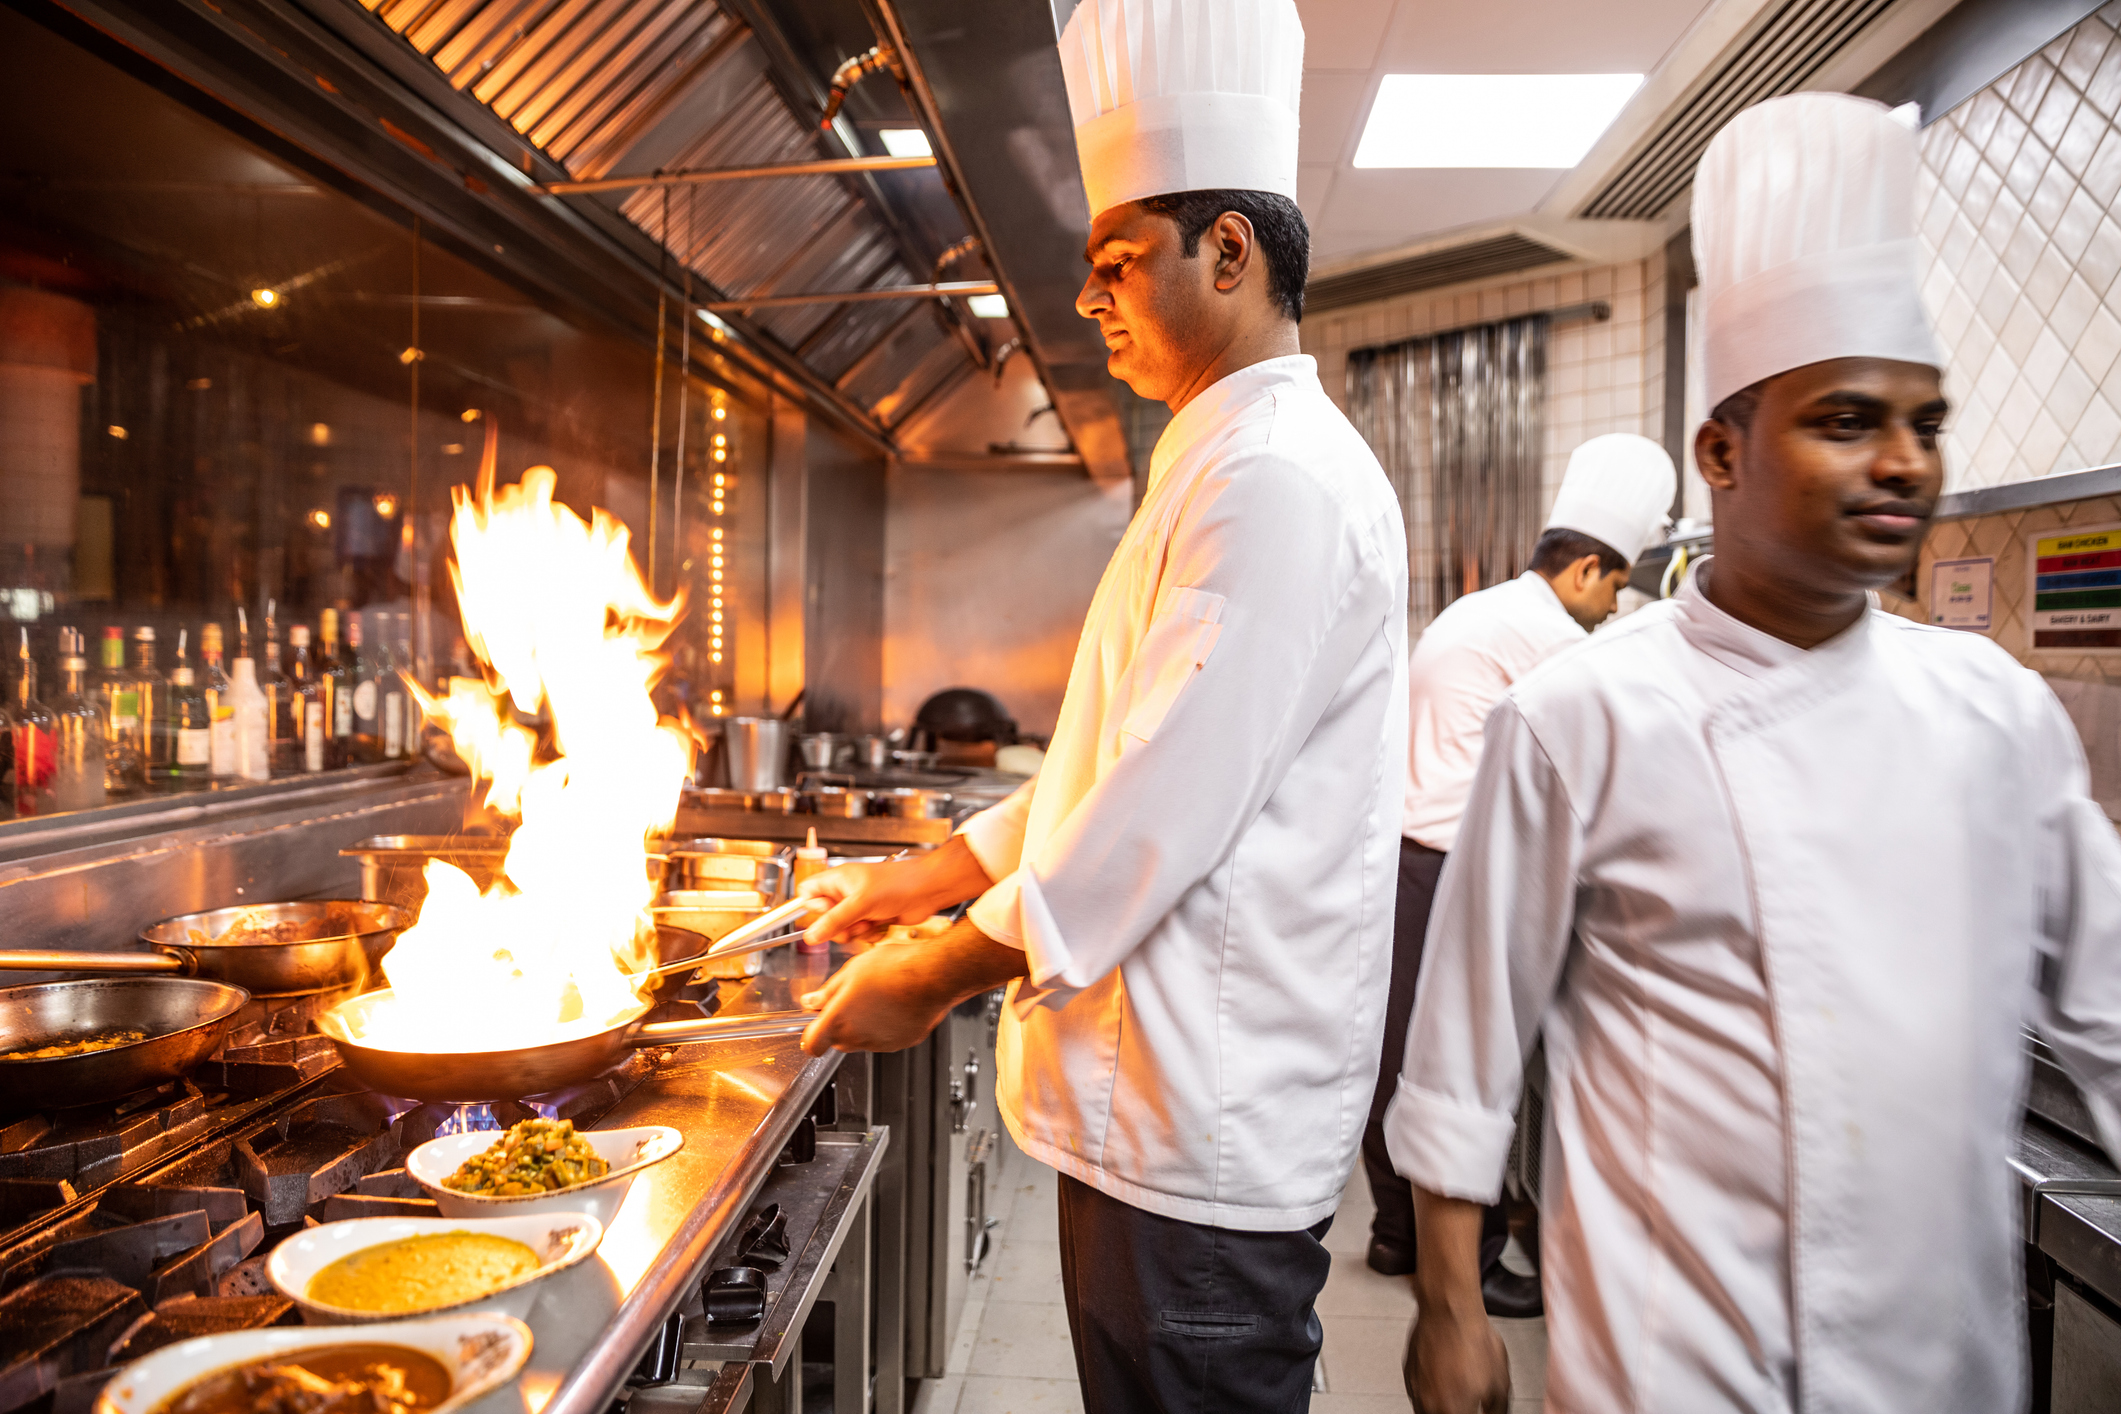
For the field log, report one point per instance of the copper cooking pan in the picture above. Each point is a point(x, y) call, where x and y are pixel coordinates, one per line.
point(468, 1077)
point(317, 944)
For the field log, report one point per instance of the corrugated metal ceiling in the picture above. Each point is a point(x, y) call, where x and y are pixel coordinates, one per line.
point(587, 81)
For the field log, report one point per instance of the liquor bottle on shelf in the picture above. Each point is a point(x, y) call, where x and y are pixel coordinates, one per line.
point(80, 731)
point(117, 693)
point(190, 718)
point(306, 694)
point(283, 729)
point(397, 701)
point(253, 760)
point(367, 697)
point(153, 690)
point(220, 706)
point(31, 730)
point(338, 693)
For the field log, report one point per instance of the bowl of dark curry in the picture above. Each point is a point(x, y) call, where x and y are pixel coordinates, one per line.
point(539, 1166)
point(407, 1367)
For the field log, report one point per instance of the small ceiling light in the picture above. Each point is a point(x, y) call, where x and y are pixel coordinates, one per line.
point(712, 321)
point(116, 431)
point(320, 434)
point(386, 505)
point(906, 142)
point(410, 356)
point(470, 415)
point(989, 307)
point(265, 298)
point(720, 413)
point(405, 535)
point(452, 449)
point(1491, 120)
point(320, 518)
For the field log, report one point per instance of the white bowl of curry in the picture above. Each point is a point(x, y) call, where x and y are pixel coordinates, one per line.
point(394, 1269)
point(625, 1155)
point(428, 1367)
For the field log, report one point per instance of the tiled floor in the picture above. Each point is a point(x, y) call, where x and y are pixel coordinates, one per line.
point(1013, 1357)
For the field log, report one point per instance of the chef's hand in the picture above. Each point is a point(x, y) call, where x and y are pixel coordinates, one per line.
point(1455, 1363)
point(888, 998)
point(868, 898)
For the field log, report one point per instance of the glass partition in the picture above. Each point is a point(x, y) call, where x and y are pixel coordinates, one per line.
point(234, 397)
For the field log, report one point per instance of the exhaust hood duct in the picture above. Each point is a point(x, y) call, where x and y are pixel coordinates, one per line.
point(1780, 56)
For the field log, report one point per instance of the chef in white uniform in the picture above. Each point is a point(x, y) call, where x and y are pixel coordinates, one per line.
point(1194, 896)
point(1780, 877)
point(1611, 506)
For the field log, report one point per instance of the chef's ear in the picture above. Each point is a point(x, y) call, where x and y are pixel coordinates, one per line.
point(1236, 246)
point(1716, 450)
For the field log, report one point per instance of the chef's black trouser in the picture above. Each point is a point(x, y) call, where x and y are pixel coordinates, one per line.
point(1419, 869)
point(1170, 1317)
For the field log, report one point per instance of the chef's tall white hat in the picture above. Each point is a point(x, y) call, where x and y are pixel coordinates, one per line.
point(1804, 239)
point(1183, 95)
point(1618, 489)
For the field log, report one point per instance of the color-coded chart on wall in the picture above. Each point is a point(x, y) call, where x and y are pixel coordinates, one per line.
point(2077, 589)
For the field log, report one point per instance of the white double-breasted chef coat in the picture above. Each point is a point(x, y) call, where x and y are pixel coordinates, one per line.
point(1782, 915)
point(1463, 662)
point(1202, 874)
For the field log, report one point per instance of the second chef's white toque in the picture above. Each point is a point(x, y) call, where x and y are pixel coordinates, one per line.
point(1804, 237)
point(1183, 95)
point(1618, 489)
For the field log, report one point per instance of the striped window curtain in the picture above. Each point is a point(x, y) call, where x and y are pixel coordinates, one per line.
point(1455, 419)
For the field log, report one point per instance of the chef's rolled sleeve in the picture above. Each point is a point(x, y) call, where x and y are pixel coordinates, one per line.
point(1497, 940)
point(1272, 591)
point(996, 835)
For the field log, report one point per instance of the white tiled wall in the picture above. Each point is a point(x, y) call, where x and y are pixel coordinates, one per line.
point(1601, 376)
point(2019, 185)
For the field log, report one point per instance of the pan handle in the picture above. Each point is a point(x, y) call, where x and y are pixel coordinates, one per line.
point(24, 960)
point(724, 1028)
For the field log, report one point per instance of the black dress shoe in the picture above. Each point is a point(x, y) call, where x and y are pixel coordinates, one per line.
point(1390, 1258)
point(1508, 1295)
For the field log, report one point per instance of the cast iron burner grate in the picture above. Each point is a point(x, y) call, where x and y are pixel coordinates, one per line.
point(211, 1182)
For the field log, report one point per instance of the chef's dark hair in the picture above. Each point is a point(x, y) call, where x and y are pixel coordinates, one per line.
point(1284, 237)
point(1737, 410)
point(1559, 548)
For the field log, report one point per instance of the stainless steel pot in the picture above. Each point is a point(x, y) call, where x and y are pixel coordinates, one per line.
point(840, 802)
point(757, 748)
point(912, 803)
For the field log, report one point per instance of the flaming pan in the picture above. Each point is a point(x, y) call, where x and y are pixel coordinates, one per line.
point(185, 1021)
point(268, 949)
point(470, 1077)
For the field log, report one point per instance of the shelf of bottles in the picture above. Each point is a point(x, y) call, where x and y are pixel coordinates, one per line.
point(121, 727)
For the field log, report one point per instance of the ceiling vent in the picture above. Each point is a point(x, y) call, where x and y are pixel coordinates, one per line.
point(1498, 255)
point(1783, 52)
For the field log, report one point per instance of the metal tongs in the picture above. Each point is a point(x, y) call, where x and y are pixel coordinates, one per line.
point(753, 936)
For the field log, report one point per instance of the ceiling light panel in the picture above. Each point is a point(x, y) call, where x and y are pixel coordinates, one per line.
point(1490, 120)
point(906, 142)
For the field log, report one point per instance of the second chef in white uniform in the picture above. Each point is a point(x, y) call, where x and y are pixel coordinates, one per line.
point(1195, 894)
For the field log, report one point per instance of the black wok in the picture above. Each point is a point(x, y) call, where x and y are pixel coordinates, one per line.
point(467, 1077)
point(185, 1020)
point(333, 943)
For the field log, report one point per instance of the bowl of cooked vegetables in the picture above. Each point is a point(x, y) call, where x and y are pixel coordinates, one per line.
point(406, 1367)
point(539, 1166)
point(390, 1269)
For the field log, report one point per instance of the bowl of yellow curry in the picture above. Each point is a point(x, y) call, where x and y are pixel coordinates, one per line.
point(538, 1166)
point(394, 1269)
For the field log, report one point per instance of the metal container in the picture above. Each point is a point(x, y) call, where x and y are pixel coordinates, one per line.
point(911, 803)
point(837, 801)
point(874, 753)
point(393, 867)
point(687, 868)
point(824, 751)
point(758, 752)
point(777, 802)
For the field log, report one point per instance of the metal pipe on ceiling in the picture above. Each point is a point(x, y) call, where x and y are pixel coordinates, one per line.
point(823, 167)
point(951, 290)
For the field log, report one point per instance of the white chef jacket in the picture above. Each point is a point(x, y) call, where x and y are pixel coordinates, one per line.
point(1202, 873)
point(1781, 915)
point(1463, 662)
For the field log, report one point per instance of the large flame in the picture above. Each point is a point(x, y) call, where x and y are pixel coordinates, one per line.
point(556, 610)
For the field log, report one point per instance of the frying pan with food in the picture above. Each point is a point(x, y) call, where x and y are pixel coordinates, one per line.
point(268, 949)
point(178, 1022)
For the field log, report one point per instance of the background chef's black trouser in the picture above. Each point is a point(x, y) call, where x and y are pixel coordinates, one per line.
point(1419, 869)
point(1170, 1317)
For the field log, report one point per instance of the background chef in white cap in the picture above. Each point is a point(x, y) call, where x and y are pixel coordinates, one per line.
point(1611, 507)
point(1780, 876)
point(1193, 900)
